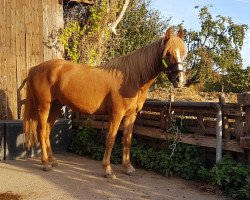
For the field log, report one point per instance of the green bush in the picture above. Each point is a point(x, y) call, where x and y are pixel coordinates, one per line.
point(232, 177)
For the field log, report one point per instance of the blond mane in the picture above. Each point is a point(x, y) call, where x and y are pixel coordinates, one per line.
point(139, 66)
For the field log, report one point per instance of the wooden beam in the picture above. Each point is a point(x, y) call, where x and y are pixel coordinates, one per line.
point(245, 142)
point(244, 98)
point(91, 2)
point(200, 140)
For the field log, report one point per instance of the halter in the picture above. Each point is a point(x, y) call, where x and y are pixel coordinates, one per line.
point(166, 66)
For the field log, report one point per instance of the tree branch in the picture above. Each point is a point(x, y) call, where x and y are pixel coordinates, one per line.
point(119, 18)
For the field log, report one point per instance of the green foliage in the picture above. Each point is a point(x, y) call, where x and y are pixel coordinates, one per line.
point(69, 38)
point(215, 48)
point(237, 80)
point(140, 25)
point(232, 177)
point(85, 34)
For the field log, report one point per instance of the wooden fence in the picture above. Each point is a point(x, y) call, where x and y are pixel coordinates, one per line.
point(195, 125)
point(26, 28)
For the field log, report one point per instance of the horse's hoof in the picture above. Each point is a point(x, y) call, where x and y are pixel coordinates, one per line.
point(47, 168)
point(130, 170)
point(55, 164)
point(110, 176)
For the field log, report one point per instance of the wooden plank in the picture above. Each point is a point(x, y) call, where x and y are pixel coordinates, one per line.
point(181, 110)
point(232, 109)
point(199, 140)
point(28, 42)
point(2, 61)
point(10, 62)
point(225, 126)
point(60, 25)
point(35, 33)
point(146, 115)
point(197, 130)
point(57, 23)
point(20, 56)
point(247, 117)
point(227, 109)
point(205, 141)
point(33, 28)
point(243, 98)
point(13, 69)
point(91, 2)
point(40, 31)
point(245, 142)
point(46, 27)
point(53, 26)
point(148, 122)
point(239, 128)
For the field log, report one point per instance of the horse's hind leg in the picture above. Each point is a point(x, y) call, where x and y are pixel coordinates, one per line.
point(43, 113)
point(127, 135)
point(55, 111)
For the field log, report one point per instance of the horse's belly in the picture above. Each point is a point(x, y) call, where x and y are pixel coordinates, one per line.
point(93, 107)
point(85, 101)
point(86, 91)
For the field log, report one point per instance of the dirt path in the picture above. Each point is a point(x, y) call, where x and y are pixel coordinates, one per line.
point(81, 178)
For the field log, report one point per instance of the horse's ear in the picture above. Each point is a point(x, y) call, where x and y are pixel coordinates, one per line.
point(168, 34)
point(180, 34)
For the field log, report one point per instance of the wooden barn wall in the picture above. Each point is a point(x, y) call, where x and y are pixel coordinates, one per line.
point(25, 34)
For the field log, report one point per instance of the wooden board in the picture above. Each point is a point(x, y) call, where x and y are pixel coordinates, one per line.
point(22, 47)
point(244, 98)
point(245, 142)
point(200, 140)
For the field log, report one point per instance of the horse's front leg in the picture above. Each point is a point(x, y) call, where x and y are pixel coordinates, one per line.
point(127, 135)
point(114, 123)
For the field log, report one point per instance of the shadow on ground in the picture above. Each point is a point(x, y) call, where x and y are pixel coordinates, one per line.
point(82, 178)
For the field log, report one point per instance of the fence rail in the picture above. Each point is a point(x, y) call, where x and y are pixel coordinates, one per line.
point(196, 124)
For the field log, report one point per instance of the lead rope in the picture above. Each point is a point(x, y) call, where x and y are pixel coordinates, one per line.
point(172, 124)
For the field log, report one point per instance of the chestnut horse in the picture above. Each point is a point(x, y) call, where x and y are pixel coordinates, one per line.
point(118, 89)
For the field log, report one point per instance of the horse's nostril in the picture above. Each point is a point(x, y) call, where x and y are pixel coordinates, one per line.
point(177, 79)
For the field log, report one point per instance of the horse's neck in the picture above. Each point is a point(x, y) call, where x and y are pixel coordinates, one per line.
point(155, 62)
point(144, 88)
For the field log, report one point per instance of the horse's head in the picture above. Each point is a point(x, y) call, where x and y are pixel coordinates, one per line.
point(173, 56)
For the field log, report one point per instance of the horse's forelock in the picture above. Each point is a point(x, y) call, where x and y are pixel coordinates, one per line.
point(175, 43)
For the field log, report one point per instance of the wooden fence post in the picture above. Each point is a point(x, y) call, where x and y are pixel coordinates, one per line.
point(244, 99)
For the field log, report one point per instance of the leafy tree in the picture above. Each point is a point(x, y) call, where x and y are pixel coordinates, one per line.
point(237, 80)
point(88, 30)
point(140, 25)
point(215, 49)
point(93, 35)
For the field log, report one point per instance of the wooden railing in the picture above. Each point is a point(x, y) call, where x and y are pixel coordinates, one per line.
point(197, 125)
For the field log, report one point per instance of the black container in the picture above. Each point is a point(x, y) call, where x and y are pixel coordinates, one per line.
point(1, 141)
point(14, 141)
point(61, 135)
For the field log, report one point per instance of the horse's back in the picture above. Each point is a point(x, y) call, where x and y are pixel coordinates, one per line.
point(81, 87)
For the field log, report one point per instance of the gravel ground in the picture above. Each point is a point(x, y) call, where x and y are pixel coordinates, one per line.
point(82, 178)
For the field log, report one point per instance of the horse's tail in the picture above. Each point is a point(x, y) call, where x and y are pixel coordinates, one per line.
point(30, 118)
